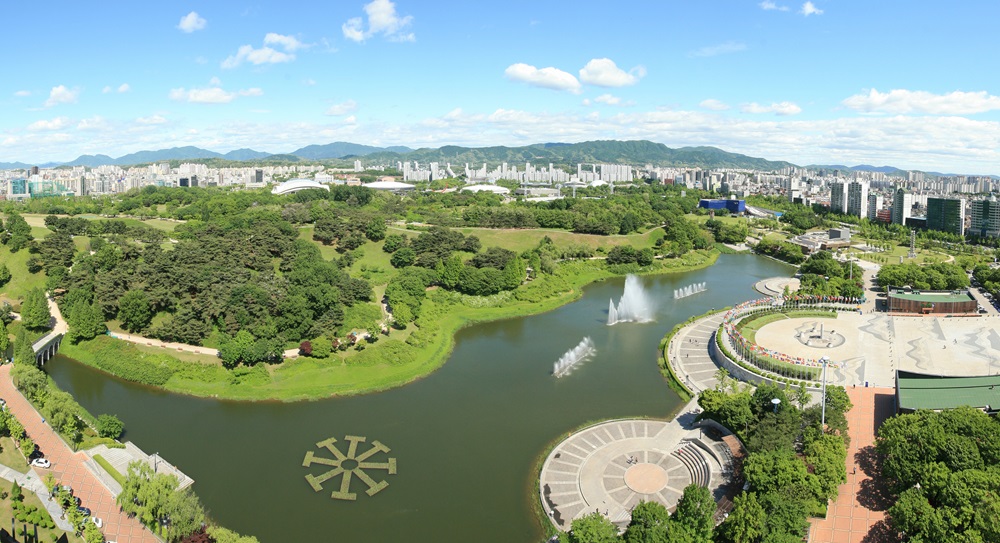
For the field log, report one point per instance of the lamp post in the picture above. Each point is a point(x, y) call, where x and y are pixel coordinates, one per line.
point(825, 360)
point(775, 402)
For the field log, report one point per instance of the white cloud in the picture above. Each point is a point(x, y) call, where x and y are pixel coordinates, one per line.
point(778, 108)
point(211, 95)
point(767, 5)
point(351, 120)
point(382, 19)
point(191, 22)
point(608, 99)
point(549, 78)
point(587, 101)
point(603, 72)
point(124, 87)
point(342, 108)
point(309, 82)
point(106, 90)
point(266, 54)
point(22, 93)
point(151, 120)
point(62, 95)
point(53, 124)
point(810, 9)
point(719, 49)
point(288, 43)
point(93, 124)
point(907, 101)
point(714, 105)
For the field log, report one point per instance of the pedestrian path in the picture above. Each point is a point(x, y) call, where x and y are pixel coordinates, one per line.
point(688, 353)
point(858, 513)
point(69, 468)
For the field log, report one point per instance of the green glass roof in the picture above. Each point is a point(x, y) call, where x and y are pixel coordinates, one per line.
point(920, 391)
point(933, 296)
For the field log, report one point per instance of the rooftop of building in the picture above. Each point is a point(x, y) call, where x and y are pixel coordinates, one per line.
point(923, 391)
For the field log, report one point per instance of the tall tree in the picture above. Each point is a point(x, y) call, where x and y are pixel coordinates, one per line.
point(134, 310)
point(4, 274)
point(35, 313)
point(696, 510)
point(593, 528)
point(648, 524)
point(86, 321)
point(24, 352)
point(745, 524)
point(4, 340)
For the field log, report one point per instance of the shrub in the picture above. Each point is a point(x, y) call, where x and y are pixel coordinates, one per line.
point(109, 426)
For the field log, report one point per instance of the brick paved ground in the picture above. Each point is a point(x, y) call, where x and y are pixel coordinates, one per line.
point(69, 469)
point(857, 516)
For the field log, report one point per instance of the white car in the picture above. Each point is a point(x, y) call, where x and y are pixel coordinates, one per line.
point(97, 522)
point(41, 463)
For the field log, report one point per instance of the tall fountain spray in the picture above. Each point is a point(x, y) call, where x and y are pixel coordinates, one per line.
point(635, 304)
point(573, 357)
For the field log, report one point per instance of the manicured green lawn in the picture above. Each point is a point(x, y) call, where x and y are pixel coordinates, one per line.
point(21, 281)
point(115, 474)
point(11, 457)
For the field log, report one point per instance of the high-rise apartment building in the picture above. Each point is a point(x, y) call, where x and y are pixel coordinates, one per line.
point(946, 215)
point(986, 217)
point(857, 198)
point(902, 203)
point(875, 204)
point(258, 176)
point(838, 197)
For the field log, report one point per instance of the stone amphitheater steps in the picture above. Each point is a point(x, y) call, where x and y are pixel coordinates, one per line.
point(701, 474)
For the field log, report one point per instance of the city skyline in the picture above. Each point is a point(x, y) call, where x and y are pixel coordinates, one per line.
point(807, 82)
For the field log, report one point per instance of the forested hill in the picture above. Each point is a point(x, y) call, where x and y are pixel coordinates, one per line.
point(589, 152)
point(639, 152)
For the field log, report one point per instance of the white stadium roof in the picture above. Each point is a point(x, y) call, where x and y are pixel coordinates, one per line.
point(487, 188)
point(389, 185)
point(295, 185)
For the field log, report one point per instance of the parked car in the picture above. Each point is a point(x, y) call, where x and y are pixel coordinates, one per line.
point(84, 510)
point(97, 522)
point(41, 463)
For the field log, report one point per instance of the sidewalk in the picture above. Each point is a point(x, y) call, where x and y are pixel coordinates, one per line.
point(33, 481)
point(69, 469)
point(688, 353)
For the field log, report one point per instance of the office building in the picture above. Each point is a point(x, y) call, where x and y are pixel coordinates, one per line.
point(986, 217)
point(902, 202)
point(946, 215)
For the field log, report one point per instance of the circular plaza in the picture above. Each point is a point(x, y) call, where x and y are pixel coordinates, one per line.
point(610, 467)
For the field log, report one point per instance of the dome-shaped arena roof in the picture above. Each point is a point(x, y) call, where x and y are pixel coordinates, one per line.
point(295, 185)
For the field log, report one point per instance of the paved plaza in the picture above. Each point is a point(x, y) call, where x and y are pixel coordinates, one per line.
point(875, 345)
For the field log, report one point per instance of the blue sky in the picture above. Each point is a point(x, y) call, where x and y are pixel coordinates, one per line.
point(908, 83)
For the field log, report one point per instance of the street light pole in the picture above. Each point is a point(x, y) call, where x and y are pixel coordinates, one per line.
point(825, 361)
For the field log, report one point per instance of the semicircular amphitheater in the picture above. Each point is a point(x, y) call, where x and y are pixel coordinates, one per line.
point(610, 467)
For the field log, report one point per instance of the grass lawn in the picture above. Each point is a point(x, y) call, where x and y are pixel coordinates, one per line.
point(924, 256)
point(749, 328)
point(115, 474)
point(21, 281)
point(11, 457)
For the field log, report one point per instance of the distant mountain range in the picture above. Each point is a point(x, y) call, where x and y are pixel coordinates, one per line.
point(590, 152)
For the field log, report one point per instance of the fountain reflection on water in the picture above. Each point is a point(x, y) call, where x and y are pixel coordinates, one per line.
point(635, 304)
point(573, 356)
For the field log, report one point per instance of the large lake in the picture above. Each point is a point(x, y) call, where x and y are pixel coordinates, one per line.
point(465, 438)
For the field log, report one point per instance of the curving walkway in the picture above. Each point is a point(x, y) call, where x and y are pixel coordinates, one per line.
point(69, 468)
point(689, 356)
